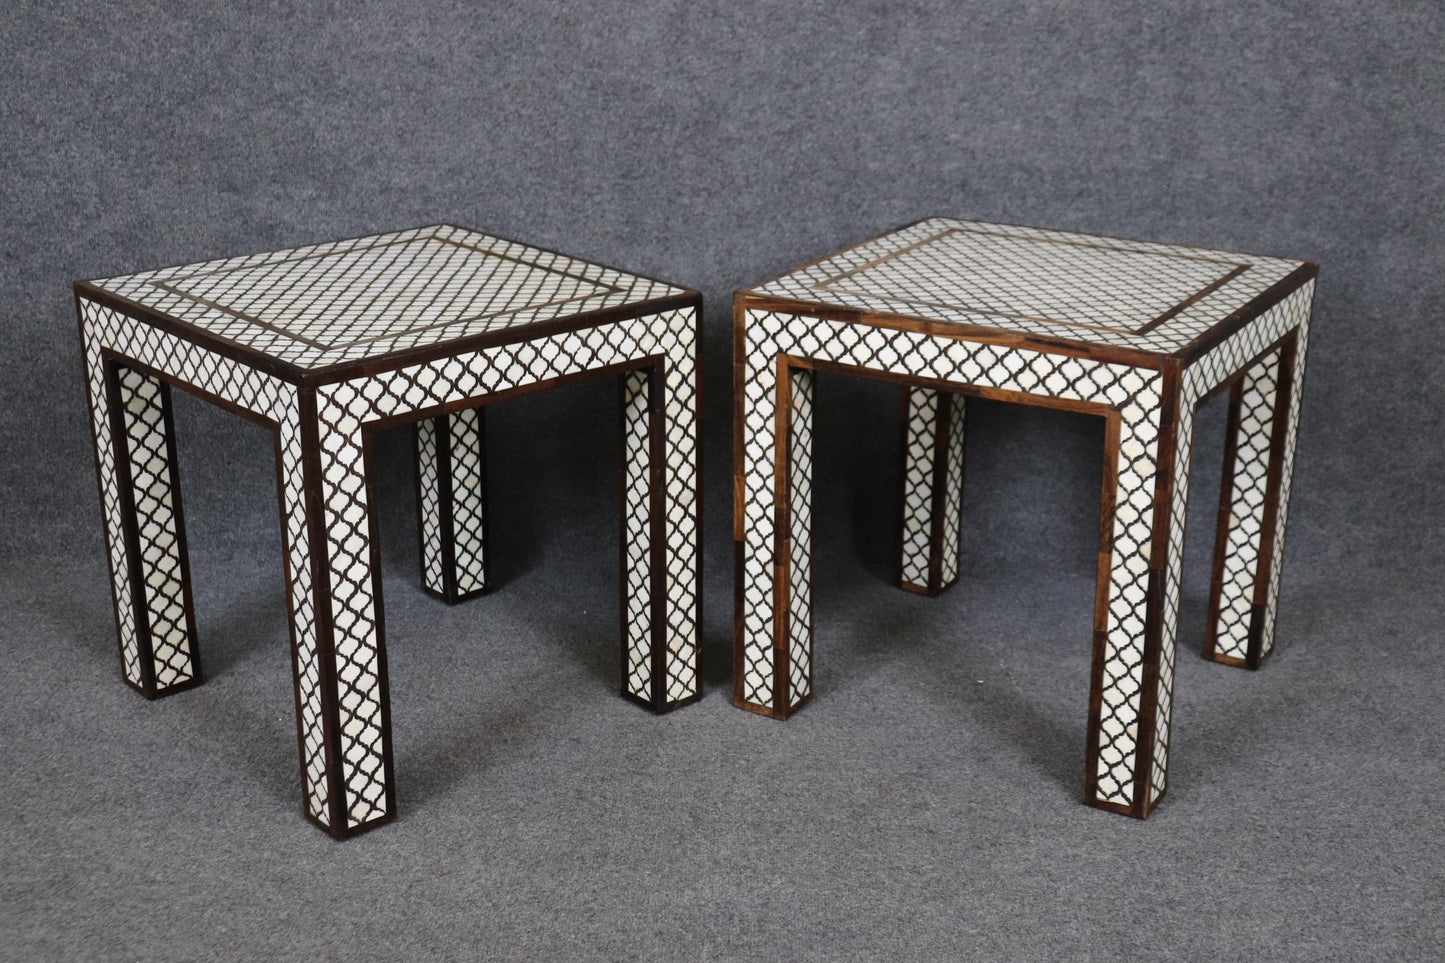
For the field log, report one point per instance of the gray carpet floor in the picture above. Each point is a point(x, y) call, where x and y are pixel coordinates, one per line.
point(925, 806)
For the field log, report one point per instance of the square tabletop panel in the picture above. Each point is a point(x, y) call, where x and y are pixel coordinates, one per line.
point(1054, 285)
point(365, 298)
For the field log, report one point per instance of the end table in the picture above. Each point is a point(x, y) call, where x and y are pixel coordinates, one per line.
point(328, 343)
point(1137, 333)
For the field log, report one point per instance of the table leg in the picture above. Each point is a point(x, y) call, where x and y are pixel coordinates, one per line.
point(933, 426)
point(451, 468)
point(1145, 493)
point(773, 670)
point(144, 527)
point(339, 656)
point(1263, 414)
point(659, 516)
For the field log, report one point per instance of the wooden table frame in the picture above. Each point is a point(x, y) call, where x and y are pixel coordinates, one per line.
point(323, 414)
point(783, 335)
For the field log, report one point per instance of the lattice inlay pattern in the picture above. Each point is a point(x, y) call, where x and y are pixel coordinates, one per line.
point(1244, 351)
point(637, 510)
point(1133, 393)
point(800, 535)
point(1160, 299)
point(104, 330)
point(152, 487)
point(322, 304)
point(1250, 477)
point(1068, 282)
point(1078, 287)
point(431, 499)
point(1301, 315)
point(932, 431)
point(452, 498)
point(333, 300)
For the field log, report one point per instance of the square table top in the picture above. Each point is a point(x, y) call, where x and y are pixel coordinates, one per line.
point(344, 303)
point(1042, 286)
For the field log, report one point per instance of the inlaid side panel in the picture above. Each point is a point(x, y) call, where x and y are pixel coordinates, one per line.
point(1264, 424)
point(344, 406)
point(1118, 734)
point(277, 403)
point(140, 500)
point(1209, 372)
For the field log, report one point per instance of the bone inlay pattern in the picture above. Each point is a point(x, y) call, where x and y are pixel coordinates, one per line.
point(451, 493)
point(322, 304)
point(1255, 401)
point(933, 447)
point(1076, 287)
point(322, 430)
point(1131, 392)
point(144, 404)
point(1141, 309)
point(637, 509)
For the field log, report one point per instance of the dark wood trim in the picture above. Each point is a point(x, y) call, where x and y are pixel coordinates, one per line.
point(622, 593)
point(657, 527)
point(1026, 227)
point(485, 500)
point(1194, 298)
point(699, 507)
point(956, 331)
point(1277, 292)
point(514, 334)
point(388, 361)
point(812, 526)
point(666, 707)
point(225, 347)
point(952, 387)
point(771, 711)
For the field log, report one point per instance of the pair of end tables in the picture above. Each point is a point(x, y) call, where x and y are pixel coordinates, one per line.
point(327, 344)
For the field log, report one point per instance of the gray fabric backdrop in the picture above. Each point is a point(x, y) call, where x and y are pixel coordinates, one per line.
point(926, 804)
